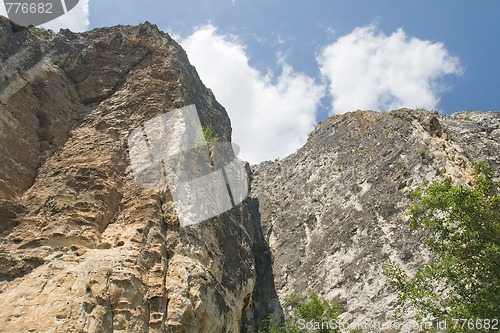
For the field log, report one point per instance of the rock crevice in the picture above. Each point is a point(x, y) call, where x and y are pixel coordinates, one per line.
point(83, 247)
point(333, 212)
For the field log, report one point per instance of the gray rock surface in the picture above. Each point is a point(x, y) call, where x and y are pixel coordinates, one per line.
point(83, 248)
point(334, 211)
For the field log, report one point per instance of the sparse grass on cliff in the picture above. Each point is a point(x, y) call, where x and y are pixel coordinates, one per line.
point(41, 32)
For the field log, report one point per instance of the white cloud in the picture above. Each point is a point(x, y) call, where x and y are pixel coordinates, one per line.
point(271, 117)
point(369, 70)
point(76, 20)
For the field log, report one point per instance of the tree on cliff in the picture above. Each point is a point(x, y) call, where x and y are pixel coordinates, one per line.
point(461, 282)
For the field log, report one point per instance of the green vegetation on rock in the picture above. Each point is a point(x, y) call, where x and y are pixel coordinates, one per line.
point(462, 279)
point(41, 32)
point(206, 138)
point(317, 312)
point(210, 136)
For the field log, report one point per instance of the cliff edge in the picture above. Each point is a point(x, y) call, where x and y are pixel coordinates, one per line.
point(334, 211)
point(83, 247)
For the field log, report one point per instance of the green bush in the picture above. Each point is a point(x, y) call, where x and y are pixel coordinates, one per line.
point(462, 279)
point(210, 136)
point(312, 309)
point(205, 139)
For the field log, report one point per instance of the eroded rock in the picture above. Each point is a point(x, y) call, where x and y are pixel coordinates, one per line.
point(83, 247)
point(333, 212)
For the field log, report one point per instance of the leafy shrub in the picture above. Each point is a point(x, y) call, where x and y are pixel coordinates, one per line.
point(313, 309)
point(462, 279)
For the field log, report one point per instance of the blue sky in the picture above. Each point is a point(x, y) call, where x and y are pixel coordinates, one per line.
point(279, 67)
point(469, 30)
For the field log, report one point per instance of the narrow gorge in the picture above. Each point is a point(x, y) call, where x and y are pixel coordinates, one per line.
point(84, 248)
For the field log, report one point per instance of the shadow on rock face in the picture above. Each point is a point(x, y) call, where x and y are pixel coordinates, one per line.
point(265, 298)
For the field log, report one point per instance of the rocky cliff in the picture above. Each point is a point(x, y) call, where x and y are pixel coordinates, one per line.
point(333, 212)
point(83, 247)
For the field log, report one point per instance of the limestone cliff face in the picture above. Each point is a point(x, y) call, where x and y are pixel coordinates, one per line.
point(83, 248)
point(334, 211)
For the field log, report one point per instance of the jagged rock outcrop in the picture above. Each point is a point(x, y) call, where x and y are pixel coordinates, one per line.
point(83, 248)
point(334, 211)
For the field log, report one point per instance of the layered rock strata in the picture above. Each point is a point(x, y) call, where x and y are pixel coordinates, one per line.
point(83, 247)
point(334, 211)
